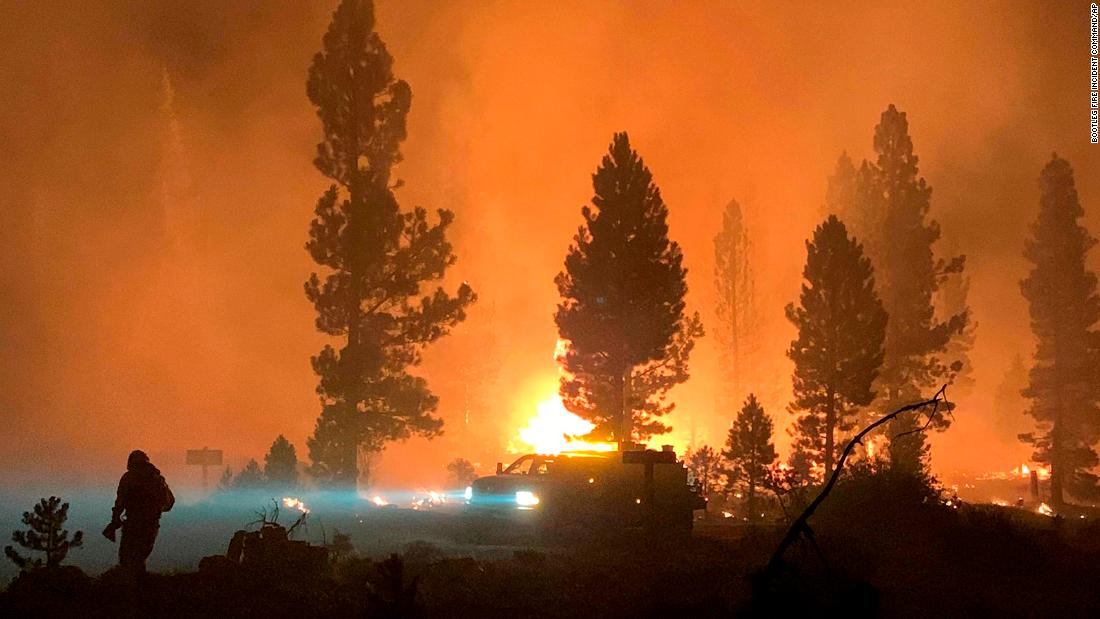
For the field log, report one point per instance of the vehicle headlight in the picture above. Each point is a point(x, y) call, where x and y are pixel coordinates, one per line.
point(469, 494)
point(526, 498)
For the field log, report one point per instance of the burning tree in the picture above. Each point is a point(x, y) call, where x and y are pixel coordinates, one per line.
point(839, 349)
point(749, 450)
point(44, 534)
point(378, 258)
point(1063, 385)
point(735, 306)
point(627, 337)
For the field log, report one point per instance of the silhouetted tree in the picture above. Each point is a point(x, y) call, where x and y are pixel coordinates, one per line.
point(841, 192)
point(622, 317)
point(377, 257)
point(340, 547)
point(735, 306)
point(225, 482)
point(475, 352)
point(461, 472)
point(749, 450)
point(952, 301)
point(705, 466)
point(849, 194)
point(897, 200)
point(839, 349)
point(281, 464)
point(1063, 384)
point(251, 477)
point(45, 534)
point(1009, 404)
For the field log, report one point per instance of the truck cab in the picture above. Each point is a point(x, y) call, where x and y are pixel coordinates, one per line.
point(589, 490)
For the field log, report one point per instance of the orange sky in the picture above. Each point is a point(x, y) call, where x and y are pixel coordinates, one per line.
point(139, 317)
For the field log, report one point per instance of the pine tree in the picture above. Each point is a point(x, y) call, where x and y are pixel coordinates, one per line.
point(1009, 404)
point(736, 329)
point(377, 258)
point(850, 195)
point(622, 316)
point(841, 197)
point(749, 450)
point(705, 466)
point(461, 472)
point(251, 477)
point(225, 482)
point(952, 301)
point(839, 349)
point(281, 464)
point(897, 201)
point(45, 534)
point(1063, 382)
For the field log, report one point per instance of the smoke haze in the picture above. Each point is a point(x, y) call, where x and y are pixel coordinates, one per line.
point(157, 186)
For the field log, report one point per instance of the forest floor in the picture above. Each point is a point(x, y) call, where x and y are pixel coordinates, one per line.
point(877, 554)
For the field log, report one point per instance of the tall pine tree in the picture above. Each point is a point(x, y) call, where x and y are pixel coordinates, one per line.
point(736, 327)
point(909, 274)
point(1009, 404)
point(839, 350)
point(377, 259)
point(281, 464)
point(1063, 383)
point(704, 464)
point(628, 339)
point(749, 451)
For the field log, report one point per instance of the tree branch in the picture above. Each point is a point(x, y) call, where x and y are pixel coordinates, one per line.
point(801, 526)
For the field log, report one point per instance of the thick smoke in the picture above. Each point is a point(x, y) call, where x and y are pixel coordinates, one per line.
point(157, 187)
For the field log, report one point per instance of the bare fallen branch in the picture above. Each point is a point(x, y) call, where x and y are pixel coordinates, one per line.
point(800, 527)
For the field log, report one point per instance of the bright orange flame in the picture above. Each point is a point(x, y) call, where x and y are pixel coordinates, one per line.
point(1020, 472)
point(560, 348)
point(1045, 510)
point(554, 430)
point(297, 504)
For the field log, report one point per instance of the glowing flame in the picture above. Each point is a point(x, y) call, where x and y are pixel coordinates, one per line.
point(293, 503)
point(1045, 510)
point(379, 501)
point(1020, 472)
point(554, 430)
point(560, 348)
point(875, 446)
point(428, 500)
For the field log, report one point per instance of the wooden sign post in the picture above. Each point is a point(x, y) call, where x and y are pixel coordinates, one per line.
point(205, 458)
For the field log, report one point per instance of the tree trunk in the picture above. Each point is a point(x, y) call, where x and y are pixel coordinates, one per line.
point(618, 407)
point(627, 412)
point(751, 502)
point(1056, 471)
point(830, 425)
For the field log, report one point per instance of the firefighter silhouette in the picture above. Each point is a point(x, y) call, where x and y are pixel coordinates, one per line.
point(143, 496)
